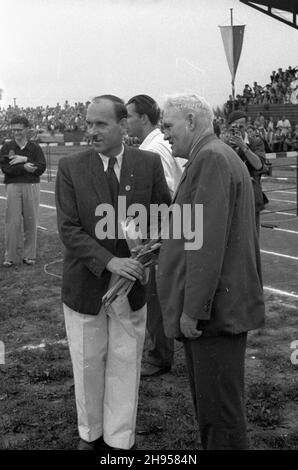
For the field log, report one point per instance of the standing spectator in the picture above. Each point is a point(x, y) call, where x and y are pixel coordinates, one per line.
point(143, 115)
point(288, 142)
point(22, 163)
point(278, 140)
point(295, 138)
point(284, 124)
point(270, 133)
point(212, 296)
point(252, 153)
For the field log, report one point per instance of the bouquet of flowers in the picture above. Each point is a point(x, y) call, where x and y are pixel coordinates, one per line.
point(145, 252)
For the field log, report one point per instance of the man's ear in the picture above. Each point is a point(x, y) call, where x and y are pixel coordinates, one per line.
point(191, 121)
point(144, 119)
point(123, 125)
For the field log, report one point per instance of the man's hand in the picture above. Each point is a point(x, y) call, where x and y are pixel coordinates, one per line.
point(30, 167)
point(127, 267)
point(14, 159)
point(238, 142)
point(188, 327)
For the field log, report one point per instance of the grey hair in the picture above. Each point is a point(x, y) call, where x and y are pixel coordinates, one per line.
point(191, 102)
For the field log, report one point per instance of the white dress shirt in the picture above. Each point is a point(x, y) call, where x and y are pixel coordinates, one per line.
point(173, 167)
point(118, 163)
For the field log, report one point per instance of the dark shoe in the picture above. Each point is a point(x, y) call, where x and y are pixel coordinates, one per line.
point(98, 444)
point(150, 370)
point(29, 261)
point(7, 264)
point(115, 449)
point(84, 445)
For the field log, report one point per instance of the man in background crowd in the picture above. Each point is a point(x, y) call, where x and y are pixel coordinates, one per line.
point(143, 115)
point(283, 124)
point(211, 296)
point(252, 153)
point(22, 163)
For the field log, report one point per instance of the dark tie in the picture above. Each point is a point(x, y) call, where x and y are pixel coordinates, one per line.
point(112, 180)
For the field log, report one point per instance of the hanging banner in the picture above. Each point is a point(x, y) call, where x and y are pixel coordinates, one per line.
point(232, 37)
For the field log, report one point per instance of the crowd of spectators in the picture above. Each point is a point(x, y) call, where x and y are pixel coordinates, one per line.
point(52, 119)
point(277, 135)
point(281, 90)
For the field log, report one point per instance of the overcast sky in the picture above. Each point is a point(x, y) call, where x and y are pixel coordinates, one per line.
point(52, 50)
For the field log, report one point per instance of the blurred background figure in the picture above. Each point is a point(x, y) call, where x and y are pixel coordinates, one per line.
point(22, 163)
point(251, 150)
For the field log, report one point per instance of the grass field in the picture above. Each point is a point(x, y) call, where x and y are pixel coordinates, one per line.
point(37, 408)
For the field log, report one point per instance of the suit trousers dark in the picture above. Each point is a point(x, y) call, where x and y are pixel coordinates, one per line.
point(161, 353)
point(216, 371)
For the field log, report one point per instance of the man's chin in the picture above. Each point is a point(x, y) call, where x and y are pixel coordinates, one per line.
point(97, 144)
point(174, 151)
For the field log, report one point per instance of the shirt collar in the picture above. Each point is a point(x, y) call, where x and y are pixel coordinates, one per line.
point(105, 159)
point(151, 136)
point(23, 146)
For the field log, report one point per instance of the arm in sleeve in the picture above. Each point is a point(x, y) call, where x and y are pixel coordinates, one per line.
point(204, 265)
point(160, 191)
point(39, 161)
point(77, 241)
point(14, 170)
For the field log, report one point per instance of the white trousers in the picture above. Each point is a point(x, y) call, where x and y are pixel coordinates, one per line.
point(106, 352)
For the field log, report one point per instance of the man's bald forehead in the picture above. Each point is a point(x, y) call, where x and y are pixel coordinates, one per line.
point(110, 104)
point(101, 106)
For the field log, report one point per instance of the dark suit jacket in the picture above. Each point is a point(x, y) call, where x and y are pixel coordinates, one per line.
point(220, 284)
point(81, 186)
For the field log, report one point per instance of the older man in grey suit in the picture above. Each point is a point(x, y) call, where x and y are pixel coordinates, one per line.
point(211, 295)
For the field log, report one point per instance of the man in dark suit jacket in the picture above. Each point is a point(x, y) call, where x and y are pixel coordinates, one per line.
point(105, 343)
point(211, 293)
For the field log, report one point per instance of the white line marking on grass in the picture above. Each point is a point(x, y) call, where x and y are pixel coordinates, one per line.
point(281, 292)
point(282, 179)
point(46, 206)
point(285, 230)
point(42, 345)
point(282, 213)
point(40, 205)
point(279, 254)
point(42, 190)
point(282, 200)
point(281, 191)
point(46, 191)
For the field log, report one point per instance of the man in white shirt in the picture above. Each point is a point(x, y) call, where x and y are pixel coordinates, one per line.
point(143, 116)
point(284, 124)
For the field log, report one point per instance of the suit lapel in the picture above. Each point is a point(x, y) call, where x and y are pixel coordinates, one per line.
point(98, 178)
point(181, 180)
point(127, 176)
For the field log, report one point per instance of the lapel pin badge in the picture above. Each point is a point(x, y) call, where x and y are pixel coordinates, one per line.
point(127, 188)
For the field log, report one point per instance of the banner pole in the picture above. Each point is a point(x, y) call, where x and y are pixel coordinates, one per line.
point(233, 83)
